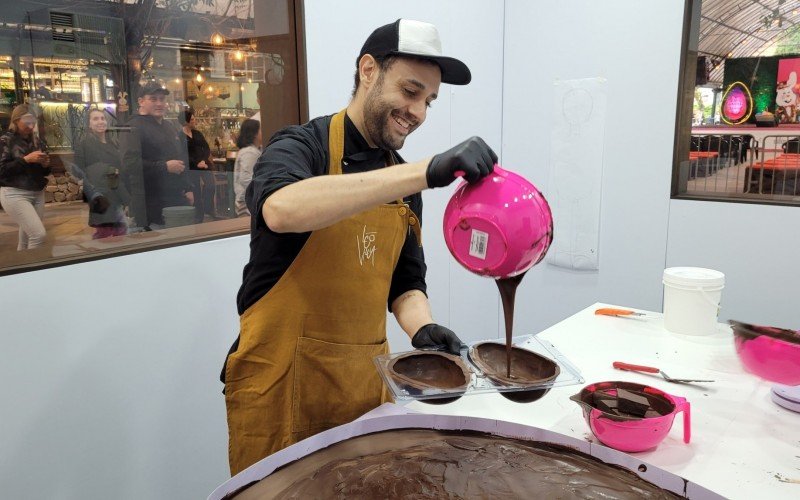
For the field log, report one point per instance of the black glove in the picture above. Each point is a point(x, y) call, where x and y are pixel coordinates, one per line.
point(99, 204)
point(473, 157)
point(434, 335)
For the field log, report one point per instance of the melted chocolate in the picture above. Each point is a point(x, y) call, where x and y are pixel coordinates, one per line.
point(508, 292)
point(419, 371)
point(528, 367)
point(419, 463)
point(625, 401)
point(749, 332)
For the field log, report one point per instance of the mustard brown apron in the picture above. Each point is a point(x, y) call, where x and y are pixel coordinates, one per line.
point(304, 360)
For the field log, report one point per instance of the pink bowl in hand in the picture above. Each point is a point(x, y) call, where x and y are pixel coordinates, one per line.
point(769, 352)
point(632, 434)
point(499, 227)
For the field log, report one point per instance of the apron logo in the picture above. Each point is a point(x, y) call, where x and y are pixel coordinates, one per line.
point(366, 247)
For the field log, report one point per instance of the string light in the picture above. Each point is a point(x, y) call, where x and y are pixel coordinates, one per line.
point(199, 77)
point(217, 39)
point(238, 55)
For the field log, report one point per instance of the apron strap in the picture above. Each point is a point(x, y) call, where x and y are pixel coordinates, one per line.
point(336, 154)
point(336, 143)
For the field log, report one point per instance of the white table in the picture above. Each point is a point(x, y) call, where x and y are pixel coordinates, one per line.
point(743, 445)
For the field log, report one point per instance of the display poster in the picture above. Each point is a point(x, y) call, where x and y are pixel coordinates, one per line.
point(576, 168)
point(786, 109)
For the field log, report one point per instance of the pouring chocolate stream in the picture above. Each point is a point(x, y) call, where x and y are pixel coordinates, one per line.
point(508, 292)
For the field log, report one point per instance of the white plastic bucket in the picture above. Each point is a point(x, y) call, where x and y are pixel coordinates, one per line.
point(692, 298)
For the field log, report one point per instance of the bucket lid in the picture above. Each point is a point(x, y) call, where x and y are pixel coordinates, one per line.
point(693, 276)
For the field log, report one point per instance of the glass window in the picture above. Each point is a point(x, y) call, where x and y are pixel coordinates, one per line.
point(738, 133)
point(135, 124)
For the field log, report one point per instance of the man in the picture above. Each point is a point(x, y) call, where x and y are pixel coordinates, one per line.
point(156, 158)
point(330, 251)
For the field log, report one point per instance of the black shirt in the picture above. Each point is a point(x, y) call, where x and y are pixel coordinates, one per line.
point(14, 170)
point(301, 152)
point(198, 149)
point(146, 150)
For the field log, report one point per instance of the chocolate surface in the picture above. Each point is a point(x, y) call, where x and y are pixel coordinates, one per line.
point(428, 370)
point(527, 367)
point(418, 463)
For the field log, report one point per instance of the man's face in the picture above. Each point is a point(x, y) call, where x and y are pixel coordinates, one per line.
point(153, 105)
point(398, 101)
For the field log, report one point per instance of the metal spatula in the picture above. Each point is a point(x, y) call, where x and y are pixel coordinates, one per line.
point(619, 365)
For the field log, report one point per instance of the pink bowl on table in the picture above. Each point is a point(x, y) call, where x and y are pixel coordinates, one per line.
point(500, 227)
point(631, 434)
point(771, 353)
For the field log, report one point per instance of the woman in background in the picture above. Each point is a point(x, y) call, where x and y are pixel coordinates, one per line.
point(249, 144)
point(98, 157)
point(201, 176)
point(24, 165)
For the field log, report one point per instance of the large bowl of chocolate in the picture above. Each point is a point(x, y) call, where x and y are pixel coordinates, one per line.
point(769, 352)
point(527, 369)
point(424, 463)
point(440, 377)
point(631, 417)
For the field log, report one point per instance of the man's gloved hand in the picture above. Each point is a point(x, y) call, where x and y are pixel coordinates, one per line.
point(473, 157)
point(433, 335)
point(99, 204)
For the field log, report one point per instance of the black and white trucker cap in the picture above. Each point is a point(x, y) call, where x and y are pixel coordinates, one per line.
point(417, 39)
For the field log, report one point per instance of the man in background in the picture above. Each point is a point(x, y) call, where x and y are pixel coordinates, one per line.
point(156, 157)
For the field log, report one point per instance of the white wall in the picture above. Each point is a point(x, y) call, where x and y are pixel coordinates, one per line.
point(756, 246)
point(109, 375)
point(635, 46)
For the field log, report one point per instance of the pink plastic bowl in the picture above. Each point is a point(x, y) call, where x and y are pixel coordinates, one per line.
point(632, 435)
point(771, 353)
point(500, 227)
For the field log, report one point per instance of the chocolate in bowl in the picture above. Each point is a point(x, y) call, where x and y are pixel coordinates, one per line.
point(527, 368)
point(421, 371)
point(747, 331)
point(768, 352)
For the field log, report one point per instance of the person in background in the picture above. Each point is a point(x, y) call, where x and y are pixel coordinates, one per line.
point(99, 163)
point(156, 159)
point(335, 239)
point(199, 166)
point(249, 144)
point(43, 93)
point(24, 165)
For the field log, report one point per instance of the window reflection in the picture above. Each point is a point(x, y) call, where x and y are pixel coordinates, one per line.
point(739, 115)
point(141, 112)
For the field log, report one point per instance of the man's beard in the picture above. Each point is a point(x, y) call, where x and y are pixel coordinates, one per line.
point(377, 113)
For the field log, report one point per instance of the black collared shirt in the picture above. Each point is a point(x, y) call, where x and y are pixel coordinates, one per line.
point(301, 152)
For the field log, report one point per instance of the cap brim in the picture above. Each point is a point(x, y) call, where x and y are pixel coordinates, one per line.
point(454, 71)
